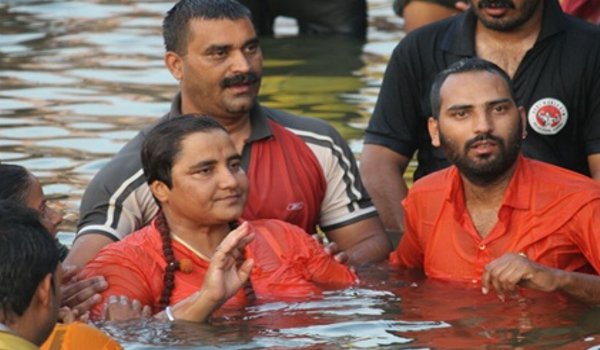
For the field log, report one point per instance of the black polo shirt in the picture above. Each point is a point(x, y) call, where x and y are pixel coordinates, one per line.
point(558, 83)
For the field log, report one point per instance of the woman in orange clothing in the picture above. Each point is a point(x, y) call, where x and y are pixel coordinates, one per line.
point(194, 172)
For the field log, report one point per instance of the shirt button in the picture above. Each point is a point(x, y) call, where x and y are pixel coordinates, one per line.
point(482, 246)
point(473, 281)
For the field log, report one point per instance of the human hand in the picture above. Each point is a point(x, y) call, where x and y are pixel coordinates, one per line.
point(120, 308)
point(225, 275)
point(80, 295)
point(332, 249)
point(512, 270)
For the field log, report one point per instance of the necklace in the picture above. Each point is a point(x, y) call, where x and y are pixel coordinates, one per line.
point(188, 246)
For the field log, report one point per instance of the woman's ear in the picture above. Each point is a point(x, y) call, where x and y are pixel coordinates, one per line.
point(160, 191)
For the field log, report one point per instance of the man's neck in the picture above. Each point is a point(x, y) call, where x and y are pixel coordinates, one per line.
point(239, 129)
point(507, 48)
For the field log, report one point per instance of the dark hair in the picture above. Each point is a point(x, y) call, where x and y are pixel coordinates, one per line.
point(27, 255)
point(15, 183)
point(159, 152)
point(163, 144)
point(466, 65)
point(176, 22)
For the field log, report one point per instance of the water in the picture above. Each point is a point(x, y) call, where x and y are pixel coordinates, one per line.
point(79, 78)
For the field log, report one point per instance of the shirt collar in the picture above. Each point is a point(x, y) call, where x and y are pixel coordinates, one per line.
point(460, 37)
point(258, 119)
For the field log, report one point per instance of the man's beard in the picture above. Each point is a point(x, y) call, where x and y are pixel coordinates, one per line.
point(502, 24)
point(484, 171)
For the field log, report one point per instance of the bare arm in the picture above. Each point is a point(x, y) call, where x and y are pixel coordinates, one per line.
point(512, 270)
point(85, 248)
point(363, 242)
point(382, 171)
point(594, 164)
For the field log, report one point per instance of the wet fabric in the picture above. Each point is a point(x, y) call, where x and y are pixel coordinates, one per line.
point(79, 336)
point(548, 213)
point(287, 264)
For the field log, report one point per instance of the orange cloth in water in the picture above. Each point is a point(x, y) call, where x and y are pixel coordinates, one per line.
point(78, 336)
point(287, 263)
point(549, 213)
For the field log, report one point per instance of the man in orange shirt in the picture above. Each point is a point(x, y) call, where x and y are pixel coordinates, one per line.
point(496, 217)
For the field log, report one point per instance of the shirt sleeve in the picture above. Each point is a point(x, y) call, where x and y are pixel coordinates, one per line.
point(586, 231)
point(322, 268)
point(118, 201)
point(395, 120)
point(346, 200)
point(592, 123)
point(128, 271)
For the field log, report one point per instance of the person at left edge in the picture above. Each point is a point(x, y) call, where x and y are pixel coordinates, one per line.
point(300, 169)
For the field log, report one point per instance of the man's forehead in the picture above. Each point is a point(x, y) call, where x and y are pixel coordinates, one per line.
point(474, 85)
point(222, 31)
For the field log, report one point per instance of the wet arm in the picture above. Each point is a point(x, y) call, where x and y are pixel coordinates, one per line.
point(382, 170)
point(594, 164)
point(364, 241)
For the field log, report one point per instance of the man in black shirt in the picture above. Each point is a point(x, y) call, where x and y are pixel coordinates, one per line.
point(553, 60)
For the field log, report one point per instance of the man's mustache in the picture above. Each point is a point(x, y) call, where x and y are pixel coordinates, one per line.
point(496, 4)
point(247, 78)
point(483, 137)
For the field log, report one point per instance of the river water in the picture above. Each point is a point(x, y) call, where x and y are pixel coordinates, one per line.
point(80, 78)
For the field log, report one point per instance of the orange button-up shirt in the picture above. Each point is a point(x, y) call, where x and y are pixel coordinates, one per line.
point(549, 213)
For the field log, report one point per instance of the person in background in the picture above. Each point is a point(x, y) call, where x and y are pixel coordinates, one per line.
point(553, 60)
point(418, 13)
point(342, 17)
point(300, 169)
point(172, 265)
point(495, 217)
point(20, 185)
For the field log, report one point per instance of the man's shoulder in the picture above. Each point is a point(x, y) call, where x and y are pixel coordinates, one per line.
point(297, 122)
point(553, 178)
point(433, 182)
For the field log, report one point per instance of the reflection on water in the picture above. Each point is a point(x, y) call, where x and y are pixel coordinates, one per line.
point(389, 310)
point(80, 78)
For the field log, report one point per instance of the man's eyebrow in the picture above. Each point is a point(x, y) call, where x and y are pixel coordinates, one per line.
point(459, 107)
point(218, 47)
point(234, 157)
point(202, 164)
point(499, 101)
point(254, 40)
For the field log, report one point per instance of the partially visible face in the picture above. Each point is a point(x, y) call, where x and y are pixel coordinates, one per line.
point(504, 15)
point(221, 72)
point(48, 317)
point(37, 201)
point(479, 127)
point(209, 186)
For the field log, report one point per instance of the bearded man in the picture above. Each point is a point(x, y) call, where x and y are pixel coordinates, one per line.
point(553, 60)
point(496, 217)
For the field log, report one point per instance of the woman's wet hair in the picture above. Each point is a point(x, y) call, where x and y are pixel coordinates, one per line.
point(176, 22)
point(159, 152)
point(163, 144)
point(15, 183)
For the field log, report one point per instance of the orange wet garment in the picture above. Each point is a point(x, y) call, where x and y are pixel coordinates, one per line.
point(77, 336)
point(549, 213)
point(287, 263)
